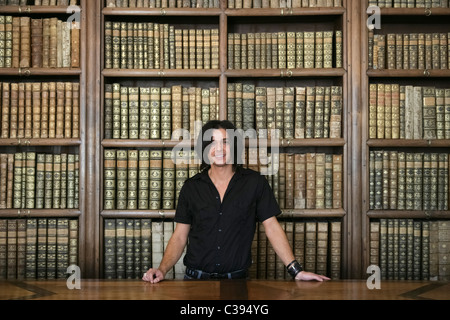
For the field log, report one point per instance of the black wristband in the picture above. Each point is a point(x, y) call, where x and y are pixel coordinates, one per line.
point(294, 268)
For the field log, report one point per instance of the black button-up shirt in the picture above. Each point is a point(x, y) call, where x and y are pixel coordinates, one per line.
point(222, 232)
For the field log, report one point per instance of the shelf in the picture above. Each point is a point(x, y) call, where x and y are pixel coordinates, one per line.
point(162, 11)
point(257, 12)
point(39, 213)
point(313, 213)
point(408, 214)
point(170, 214)
point(154, 73)
point(427, 12)
point(127, 143)
point(36, 9)
point(391, 73)
point(379, 143)
point(28, 72)
point(285, 73)
point(39, 142)
point(149, 214)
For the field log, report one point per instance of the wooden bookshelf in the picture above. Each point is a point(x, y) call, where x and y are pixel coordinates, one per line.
point(231, 20)
point(54, 146)
point(397, 21)
point(354, 76)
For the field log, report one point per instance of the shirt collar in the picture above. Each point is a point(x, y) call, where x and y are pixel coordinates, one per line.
point(240, 171)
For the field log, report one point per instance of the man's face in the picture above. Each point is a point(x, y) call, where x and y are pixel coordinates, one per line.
point(219, 153)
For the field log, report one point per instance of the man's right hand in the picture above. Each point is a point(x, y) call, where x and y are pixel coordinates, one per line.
point(153, 276)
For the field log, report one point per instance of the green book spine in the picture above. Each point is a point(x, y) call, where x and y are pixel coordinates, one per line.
point(409, 181)
point(393, 180)
point(137, 271)
point(402, 247)
point(310, 112)
point(129, 248)
point(63, 201)
point(51, 248)
point(300, 112)
point(166, 113)
point(429, 113)
point(110, 249)
point(261, 110)
point(30, 180)
point(62, 249)
point(390, 250)
point(146, 244)
point(132, 180)
point(418, 181)
point(71, 181)
point(144, 113)
point(40, 180)
point(401, 181)
point(77, 182)
point(425, 264)
point(116, 109)
point(288, 125)
point(318, 54)
point(3, 247)
point(409, 249)
point(18, 163)
point(124, 113)
point(12, 249)
point(168, 181)
point(73, 241)
point(108, 45)
point(155, 113)
point(155, 179)
point(121, 248)
point(329, 181)
point(143, 179)
point(181, 173)
point(41, 268)
point(31, 249)
point(327, 112)
point(279, 110)
point(133, 113)
point(56, 181)
point(48, 186)
point(417, 250)
point(231, 102)
point(442, 186)
point(427, 189)
point(319, 112)
point(248, 107)
point(440, 113)
point(371, 180)
point(378, 180)
point(122, 177)
point(447, 113)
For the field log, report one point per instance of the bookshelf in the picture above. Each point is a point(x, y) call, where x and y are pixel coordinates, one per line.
point(108, 75)
point(43, 138)
point(242, 21)
point(423, 209)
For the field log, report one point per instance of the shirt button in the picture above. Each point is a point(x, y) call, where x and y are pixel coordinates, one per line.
point(220, 213)
point(218, 248)
point(220, 230)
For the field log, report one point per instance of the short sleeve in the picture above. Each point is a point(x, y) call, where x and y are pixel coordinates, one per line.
point(266, 204)
point(182, 211)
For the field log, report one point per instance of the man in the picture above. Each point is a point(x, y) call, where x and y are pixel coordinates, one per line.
point(217, 213)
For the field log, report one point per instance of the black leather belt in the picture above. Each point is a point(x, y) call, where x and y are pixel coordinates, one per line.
point(198, 274)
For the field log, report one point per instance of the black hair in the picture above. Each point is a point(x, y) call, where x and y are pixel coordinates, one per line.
point(203, 142)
